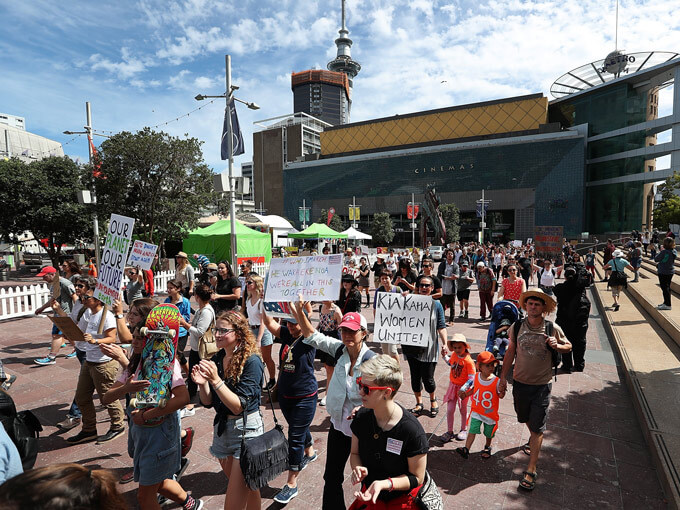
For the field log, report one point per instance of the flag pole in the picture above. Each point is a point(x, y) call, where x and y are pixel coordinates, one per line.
point(95, 219)
point(230, 144)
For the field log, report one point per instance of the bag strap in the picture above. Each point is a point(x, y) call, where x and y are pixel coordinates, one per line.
point(245, 416)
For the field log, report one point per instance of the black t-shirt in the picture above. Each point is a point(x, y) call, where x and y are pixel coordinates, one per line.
point(224, 288)
point(349, 303)
point(406, 439)
point(296, 372)
point(410, 277)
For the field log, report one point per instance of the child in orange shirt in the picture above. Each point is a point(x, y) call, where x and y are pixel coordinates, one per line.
point(485, 402)
point(462, 370)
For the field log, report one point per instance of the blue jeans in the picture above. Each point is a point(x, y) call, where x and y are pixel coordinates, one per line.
point(74, 411)
point(299, 413)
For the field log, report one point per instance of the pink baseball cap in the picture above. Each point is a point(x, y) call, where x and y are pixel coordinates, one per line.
point(354, 321)
point(47, 270)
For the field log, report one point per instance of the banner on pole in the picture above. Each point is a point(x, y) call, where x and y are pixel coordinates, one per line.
point(403, 320)
point(317, 278)
point(237, 144)
point(114, 257)
point(142, 255)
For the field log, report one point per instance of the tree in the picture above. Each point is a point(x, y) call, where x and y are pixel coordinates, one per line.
point(668, 209)
point(159, 180)
point(336, 221)
point(382, 229)
point(42, 197)
point(451, 216)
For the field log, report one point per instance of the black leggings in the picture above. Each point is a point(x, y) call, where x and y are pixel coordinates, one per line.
point(665, 282)
point(422, 374)
point(339, 448)
point(194, 360)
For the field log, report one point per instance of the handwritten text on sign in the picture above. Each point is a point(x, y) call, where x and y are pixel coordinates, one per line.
point(114, 256)
point(317, 278)
point(142, 255)
point(403, 320)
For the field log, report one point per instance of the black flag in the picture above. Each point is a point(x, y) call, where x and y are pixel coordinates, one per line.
point(238, 147)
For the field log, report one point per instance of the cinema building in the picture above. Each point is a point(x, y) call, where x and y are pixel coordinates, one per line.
point(585, 160)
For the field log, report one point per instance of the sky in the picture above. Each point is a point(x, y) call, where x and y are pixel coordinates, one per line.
point(141, 62)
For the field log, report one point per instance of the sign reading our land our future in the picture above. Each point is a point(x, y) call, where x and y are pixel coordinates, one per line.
point(142, 255)
point(114, 256)
point(402, 320)
point(316, 278)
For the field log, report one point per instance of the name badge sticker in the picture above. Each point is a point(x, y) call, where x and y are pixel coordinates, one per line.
point(394, 446)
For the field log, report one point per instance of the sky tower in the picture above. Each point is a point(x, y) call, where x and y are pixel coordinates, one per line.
point(343, 62)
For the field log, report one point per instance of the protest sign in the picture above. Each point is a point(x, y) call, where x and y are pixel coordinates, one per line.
point(114, 256)
point(142, 255)
point(548, 242)
point(278, 309)
point(517, 243)
point(69, 328)
point(317, 278)
point(402, 320)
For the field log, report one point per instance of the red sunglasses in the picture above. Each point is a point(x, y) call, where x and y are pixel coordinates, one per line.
point(365, 389)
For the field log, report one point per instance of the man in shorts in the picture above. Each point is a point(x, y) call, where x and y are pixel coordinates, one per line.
point(530, 350)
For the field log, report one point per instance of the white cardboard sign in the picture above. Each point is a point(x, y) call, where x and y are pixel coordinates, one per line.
point(142, 255)
point(114, 256)
point(402, 319)
point(316, 277)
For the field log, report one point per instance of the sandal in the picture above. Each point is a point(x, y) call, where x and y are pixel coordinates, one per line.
point(434, 411)
point(486, 452)
point(526, 448)
point(127, 477)
point(417, 409)
point(528, 485)
point(463, 452)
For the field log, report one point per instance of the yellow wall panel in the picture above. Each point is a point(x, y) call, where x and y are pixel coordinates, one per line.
point(463, 123)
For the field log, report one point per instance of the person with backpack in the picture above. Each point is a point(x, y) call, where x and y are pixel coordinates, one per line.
point(573, 311)
point(535, 345)
point(546, 276)
point(342, 395)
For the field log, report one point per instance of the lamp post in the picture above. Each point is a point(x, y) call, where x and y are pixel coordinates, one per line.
point(229, 96)
point(87, 197)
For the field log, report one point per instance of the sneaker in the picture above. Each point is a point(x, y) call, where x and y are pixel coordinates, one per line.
point(461, 315)
point(47, 360)
point(185, 413)
point(322, 402)
point(286, 494)
point(111, 434)
point(462, 435)
point(8, 382)
point(446, 437)
point(187, 441)
point(69, 423)
point(663, 307)
point(63, 345)
point(307, 460)
point(72, 355)
point(83, 437)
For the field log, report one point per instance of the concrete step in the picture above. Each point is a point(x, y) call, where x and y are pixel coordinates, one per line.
point(650, 358)
point(648, 270)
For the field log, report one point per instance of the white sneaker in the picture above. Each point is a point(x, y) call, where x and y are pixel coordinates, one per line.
point(663, 307)
point(185, 413)
point(462, 435)
point(68, 423)
point(322, 402)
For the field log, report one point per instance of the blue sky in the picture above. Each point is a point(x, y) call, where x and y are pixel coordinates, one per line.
point(140, 63)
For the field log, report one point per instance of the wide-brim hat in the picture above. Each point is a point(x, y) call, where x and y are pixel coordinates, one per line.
point(550, 303)
point(458, 338)
point(181, 255)
point(349, 278)
point(617, 253)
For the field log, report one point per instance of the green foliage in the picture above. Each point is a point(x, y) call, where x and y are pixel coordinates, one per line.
point(382, 229)
point(451, 216)
point(42, 197)
point(159, 180)
point(336, 221)
point(668, 209)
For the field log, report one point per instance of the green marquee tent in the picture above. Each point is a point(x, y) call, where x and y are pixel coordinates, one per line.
point(214, 242)
point(318, 231)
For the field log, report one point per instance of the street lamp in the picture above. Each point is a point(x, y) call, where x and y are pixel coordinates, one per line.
point(228, 96)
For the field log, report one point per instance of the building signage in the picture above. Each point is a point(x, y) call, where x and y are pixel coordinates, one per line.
point(444, 168)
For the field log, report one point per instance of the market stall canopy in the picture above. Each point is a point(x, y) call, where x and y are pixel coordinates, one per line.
point(214, 242)
point(318, 231)
point(353, 233)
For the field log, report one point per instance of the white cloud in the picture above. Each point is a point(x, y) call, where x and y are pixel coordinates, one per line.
point(126, 68)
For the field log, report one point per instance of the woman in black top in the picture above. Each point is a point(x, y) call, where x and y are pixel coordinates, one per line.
point(350, 297)
point(377, 269)
point(364, 274)
point(406, 277)
point(228, 289)
point(389, 446)
point(231, 383)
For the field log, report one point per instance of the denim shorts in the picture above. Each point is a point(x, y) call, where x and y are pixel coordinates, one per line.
point(267, 338)
point(229, 443)
point(156, 451)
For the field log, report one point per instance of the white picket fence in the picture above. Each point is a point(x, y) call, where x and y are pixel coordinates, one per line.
point(23, 301)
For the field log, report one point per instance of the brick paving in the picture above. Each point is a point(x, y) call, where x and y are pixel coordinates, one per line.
point(594, 454)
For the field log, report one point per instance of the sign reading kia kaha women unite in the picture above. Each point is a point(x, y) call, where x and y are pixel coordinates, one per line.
point(402, 319)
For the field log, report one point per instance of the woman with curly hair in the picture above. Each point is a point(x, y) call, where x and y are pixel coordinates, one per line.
point(231, 382)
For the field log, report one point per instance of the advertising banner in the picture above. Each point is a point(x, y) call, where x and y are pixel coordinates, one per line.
point(548, 241)
point(402, 320)
point(114, 257)
point(317, 278)
point(142, 255)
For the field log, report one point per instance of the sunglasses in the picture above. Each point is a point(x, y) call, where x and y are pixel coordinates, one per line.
point(222, 331)
point(365, 389)
point(79, 286)
point(249, 282)
point(512, 270)
point(424, 285)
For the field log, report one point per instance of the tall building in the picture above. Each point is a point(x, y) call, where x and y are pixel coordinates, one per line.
point(322, 94)
point(247, 171)
point(16, 142)
point(343, 62)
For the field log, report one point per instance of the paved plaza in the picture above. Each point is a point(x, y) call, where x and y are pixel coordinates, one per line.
point(594, 454)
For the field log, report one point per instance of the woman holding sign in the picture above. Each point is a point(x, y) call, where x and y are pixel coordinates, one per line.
point(423, 360)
